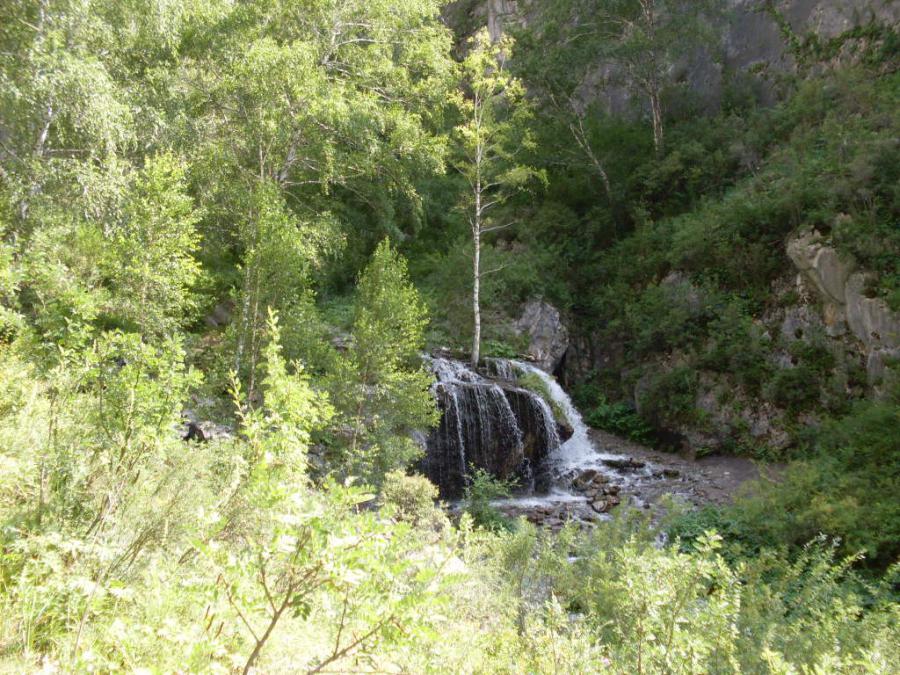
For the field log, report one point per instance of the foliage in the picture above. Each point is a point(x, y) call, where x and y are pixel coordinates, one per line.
point(619, 419)
point(841, 489)
point(668, 398)
point(413, 499)
point(481, 490)
point(272, 160)
point(380, 386)
point(491, 137)
point(534, 383)
point(642, 39)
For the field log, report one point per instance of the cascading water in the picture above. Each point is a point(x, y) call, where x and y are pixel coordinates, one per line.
point(492, 423)
point(577, 453)
point(488, 423)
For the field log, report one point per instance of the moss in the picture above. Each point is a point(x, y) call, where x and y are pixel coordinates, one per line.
point(535, 384)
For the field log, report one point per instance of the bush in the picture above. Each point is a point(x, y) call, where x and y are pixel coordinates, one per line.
point(412, 499)
point(844, 489)
point(619, 418)
point(669, 398)
point(483, 488)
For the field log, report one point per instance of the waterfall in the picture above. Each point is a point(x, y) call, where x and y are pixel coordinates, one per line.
point(578, 452)
point(487, 422)
point(491, 422)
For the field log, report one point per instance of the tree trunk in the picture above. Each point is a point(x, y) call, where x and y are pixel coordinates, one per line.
point(656, 109)
point(476, 300)
point(476, 258)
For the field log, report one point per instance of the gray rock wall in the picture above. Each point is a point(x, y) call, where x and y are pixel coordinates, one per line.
point(752, 40)
point(872, 329)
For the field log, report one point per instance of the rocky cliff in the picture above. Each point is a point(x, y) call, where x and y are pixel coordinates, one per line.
point(756, 37)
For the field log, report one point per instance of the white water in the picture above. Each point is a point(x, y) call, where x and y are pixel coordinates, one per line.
point(565, 460)
point(579, 452)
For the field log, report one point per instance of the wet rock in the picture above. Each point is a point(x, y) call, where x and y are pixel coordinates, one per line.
point(600, 505)
point(583, 480)
point(624, 463)
point(565, 431)
point(671, 473)
point(488, 423)
point(588, 480)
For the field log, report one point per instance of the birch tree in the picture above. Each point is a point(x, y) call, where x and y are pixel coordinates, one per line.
point(491, 138)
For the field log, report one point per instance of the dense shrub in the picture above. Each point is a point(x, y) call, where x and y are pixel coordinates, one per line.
point(481, 491)
point(412, 499)
point(619, 418)
point(668, 398)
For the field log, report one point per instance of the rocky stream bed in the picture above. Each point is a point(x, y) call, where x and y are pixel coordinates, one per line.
point(638, 476)
point(568, 472)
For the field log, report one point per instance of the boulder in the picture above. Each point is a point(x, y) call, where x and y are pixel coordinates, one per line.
point(588, 480)
point(624, 463)
point(600, 505)
point(548, 338)
point(220, 315)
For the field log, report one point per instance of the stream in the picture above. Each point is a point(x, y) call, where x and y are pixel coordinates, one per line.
point(567, 472)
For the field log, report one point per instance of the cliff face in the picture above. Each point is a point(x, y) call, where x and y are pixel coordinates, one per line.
point(823, 339)
point(753, 38)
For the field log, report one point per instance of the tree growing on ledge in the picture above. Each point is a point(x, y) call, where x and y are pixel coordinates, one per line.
point(644, 41)
point(490, 139)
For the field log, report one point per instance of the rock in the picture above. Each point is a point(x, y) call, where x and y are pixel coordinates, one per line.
point(625, 463)
point(611, 490)
point(564, 430)
point(600, 506)
point(877, 364)
point(870, 319)
point(485, 422)
point(548, 337)
point(821, 265)
point(843, 291)
point(800, 322)
point(671, 473)
point(584, 479)
point(589, 480)
point(343, 342)
point(204, 430)
point(220, 315)
point(194, 433)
